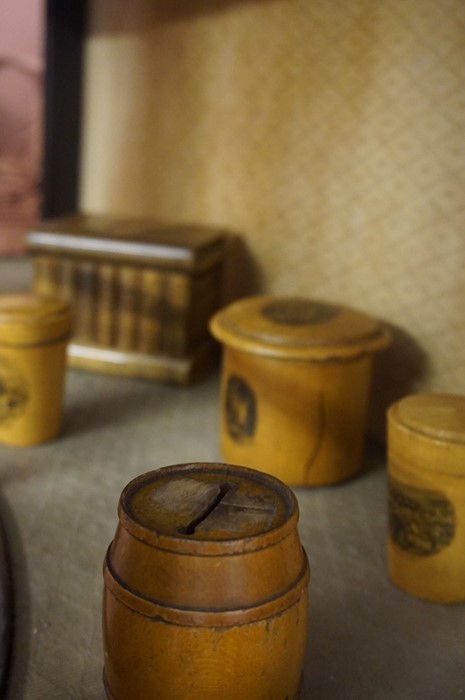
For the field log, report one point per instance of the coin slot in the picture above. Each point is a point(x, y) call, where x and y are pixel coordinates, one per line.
point(191, 527)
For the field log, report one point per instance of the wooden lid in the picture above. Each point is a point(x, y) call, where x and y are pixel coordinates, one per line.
point(296, 328)
point(214, 504)
point(437, 416)
point(30, 319)
point(140, 241)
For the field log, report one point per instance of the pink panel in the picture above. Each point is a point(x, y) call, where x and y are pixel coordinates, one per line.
point(21, 107)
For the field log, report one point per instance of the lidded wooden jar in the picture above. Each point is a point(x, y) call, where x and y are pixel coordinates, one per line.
point(34, 332)
point(205, 588)
point(426, 466)
point(295, 386)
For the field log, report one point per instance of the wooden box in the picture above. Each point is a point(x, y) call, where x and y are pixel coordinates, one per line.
point(142, 293)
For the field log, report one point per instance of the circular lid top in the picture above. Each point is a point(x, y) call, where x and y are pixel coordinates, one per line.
point(207, 502)
point(292, 327)
point(438, 416)
point(27, 319)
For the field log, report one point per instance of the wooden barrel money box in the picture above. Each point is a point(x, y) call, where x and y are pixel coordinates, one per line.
point(426, 465)
point(34, 332)
point(295, 386)
point(205, 588)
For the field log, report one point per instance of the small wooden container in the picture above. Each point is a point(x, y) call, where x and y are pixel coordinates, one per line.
point(426, 466)
point(33, 335)
point(142, 293)
point(295, 386)
point(205, 588)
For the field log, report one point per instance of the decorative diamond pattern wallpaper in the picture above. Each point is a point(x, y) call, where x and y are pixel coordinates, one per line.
point(330, 135)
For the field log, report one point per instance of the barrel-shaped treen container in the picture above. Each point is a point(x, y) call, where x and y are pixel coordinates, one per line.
point(206, 586)
point(295, 386)
point(426, 467)
point(34, 333)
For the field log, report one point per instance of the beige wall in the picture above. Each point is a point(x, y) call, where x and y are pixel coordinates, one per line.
point(331, 134)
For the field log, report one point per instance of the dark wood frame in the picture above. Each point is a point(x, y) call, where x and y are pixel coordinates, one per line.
point(65, 27)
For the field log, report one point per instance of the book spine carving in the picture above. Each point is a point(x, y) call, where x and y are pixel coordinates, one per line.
point(127, 311)
point(106, 302)
point(150, 316)
point(120, 307)
point(175, 302)
point(85, 323)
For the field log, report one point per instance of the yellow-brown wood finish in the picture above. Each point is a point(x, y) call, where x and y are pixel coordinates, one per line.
point(142, 292)
point(309, 426)
point(295, 387)
point(33, 335)
point(205, 588)
point(426, 466)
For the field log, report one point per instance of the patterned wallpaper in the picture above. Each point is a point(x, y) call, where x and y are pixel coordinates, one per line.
point(329, 134)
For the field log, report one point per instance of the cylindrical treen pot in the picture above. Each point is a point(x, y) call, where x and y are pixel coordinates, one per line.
point(426, 466)
point(295, 386)
point(34, 332)
point(206, 586)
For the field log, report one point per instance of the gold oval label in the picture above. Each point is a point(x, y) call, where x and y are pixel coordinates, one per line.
point(421, 521)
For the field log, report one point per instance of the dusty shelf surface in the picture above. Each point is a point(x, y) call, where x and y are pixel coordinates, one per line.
point(367, 639)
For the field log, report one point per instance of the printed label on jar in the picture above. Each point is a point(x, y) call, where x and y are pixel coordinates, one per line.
point(240, 409)
point(298, 312)
point(13, 393)
point(421, 521)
